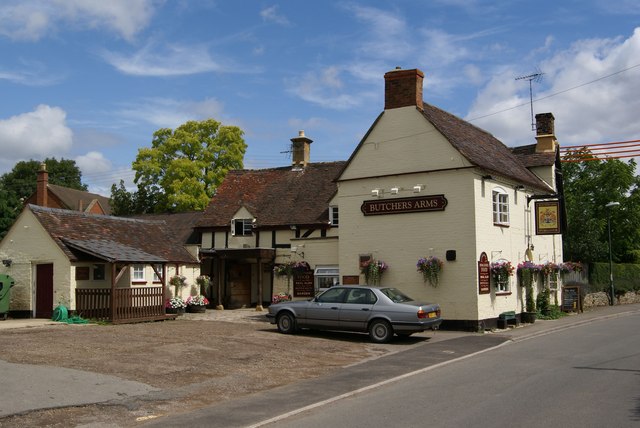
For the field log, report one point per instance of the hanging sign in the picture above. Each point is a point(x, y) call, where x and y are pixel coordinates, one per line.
point(547, 217)
point(404, 205)
point(484, 274)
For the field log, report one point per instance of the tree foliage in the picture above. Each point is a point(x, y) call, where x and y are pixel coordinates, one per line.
point(183, 167)
point(20, 183)
point(588, 187)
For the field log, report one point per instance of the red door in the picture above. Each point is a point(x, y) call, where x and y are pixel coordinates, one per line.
point(44, 290)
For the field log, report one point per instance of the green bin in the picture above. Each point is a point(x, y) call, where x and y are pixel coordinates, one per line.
point(6, 282)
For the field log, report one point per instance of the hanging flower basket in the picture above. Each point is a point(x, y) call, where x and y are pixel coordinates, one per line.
point(430, 267)
point(373, 270)
point(527, 271)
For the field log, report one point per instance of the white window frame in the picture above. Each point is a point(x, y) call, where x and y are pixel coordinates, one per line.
point(323, 275)
point(500, 207)
point(504, 286)
point(135, 273)
point(247, 226)
point(334, 218)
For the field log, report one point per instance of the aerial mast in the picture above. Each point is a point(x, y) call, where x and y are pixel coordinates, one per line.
point(531, 78)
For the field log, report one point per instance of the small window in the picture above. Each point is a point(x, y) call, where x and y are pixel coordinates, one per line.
point(138, 273)
point(242, 227)
point(333, 216)
point(500, 207)
point(98, 272)
point(502, 286)
point(326, 277)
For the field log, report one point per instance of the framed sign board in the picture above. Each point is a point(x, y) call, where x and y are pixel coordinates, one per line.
point(484, 274)
point(547, 217)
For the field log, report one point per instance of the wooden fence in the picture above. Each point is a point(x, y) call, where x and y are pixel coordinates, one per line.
point(131, 304)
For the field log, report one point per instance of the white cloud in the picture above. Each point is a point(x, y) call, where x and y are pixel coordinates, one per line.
point(387, 35)
point(591, 89)
point(270, 14)
point(169, 113)
point(34, 19)
point(323, 88)
point(173, 60)
point(93, 162)
point(37, 134)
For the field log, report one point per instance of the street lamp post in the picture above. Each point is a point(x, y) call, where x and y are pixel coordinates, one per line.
point(609, 206)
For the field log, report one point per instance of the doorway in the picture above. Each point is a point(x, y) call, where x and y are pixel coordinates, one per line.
point(44, 290)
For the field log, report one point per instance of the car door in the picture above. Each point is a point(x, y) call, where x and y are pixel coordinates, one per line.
point(324, 310)
point(356, 309)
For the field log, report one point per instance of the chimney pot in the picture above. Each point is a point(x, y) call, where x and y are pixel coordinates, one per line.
point(300, 150)
point(545, 133)
point(42, 182)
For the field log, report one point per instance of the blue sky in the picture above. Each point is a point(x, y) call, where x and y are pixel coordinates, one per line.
point(92, 80)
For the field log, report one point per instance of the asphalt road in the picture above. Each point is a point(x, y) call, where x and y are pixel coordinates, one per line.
point(588, 376)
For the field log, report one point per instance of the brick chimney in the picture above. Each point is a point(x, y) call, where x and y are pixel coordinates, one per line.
point(403, 88)
point(300, 150)
point(545, 133)
point(41, 185)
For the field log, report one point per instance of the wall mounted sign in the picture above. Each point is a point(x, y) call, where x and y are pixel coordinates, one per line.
point(484, 274)
point(303, 284)
point(547, 217)
point(404, 205)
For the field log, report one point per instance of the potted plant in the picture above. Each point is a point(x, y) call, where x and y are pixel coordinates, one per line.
point(373, 270)
point(527, 272)
point(197, 304)
point(281, 297)
point(175, 305)
point(430, 267)
point(203, 282)
point(289, 269)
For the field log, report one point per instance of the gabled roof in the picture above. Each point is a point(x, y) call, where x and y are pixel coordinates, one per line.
point(275, 196)
point(78, 199)
point(481, 148)
point(80, 235)
point(529, 157)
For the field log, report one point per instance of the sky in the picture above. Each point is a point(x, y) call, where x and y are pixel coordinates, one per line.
point(92, 80)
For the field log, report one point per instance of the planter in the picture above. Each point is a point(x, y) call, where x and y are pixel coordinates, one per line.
point(196, 309)
point(178, 311)
point(528, 317)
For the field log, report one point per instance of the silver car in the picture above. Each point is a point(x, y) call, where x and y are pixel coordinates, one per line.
point(380, 311)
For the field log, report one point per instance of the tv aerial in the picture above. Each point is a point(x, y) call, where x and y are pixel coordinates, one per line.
point(535, 77)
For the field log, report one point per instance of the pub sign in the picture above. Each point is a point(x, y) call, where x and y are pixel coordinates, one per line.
point(404, 205)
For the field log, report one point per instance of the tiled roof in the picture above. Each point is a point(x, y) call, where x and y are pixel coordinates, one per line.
point(529, 157)
point(74, 199)
point(481, 148)
point(275, 196)
point(179, 225)
point(111, 238)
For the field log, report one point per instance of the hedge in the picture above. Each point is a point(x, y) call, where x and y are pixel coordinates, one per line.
point(626, 277)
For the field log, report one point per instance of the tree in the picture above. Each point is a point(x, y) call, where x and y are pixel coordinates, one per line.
point(183, 167)
point(588, 187)
point(20, 183)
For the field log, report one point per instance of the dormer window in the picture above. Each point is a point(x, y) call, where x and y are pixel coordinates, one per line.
point(242, 227)
point(333, 215)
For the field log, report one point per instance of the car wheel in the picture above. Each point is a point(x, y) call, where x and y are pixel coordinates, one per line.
point(286, 323)
point(380, 331)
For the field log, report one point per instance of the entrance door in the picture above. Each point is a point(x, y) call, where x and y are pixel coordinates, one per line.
point(239, 285)
point(44, 290)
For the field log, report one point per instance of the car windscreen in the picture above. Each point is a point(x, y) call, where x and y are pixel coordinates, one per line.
point(396, 295)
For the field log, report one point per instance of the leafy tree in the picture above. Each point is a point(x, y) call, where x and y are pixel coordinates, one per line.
point(183, 167)
point(589, 185)
point(20, 183)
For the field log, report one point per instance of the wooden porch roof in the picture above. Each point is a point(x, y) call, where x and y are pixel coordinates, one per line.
point(113, 252)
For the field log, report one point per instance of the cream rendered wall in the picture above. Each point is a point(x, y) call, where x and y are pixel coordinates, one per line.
point(546, 173)
point(509, 243)
point(403, 141)
point(28, 244)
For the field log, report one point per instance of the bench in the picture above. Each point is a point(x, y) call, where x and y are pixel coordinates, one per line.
point(506, 318)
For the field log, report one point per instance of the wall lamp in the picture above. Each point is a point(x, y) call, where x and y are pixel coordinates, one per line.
point(376, 193)
point(7, 262)
point(394, 190)
point(418, 188)
point(487, 177)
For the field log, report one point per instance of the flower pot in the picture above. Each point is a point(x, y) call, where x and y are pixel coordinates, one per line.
point(196, 309)
point(178, 311)
point(528, 317)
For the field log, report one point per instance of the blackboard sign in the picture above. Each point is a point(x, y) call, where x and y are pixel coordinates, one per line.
point(303, 284)
point(571, 299)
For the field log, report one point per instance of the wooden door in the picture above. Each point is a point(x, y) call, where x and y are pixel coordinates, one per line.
point(44, 290)
point(239, 285)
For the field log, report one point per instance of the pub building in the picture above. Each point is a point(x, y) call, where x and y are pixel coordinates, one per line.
point(422, 183)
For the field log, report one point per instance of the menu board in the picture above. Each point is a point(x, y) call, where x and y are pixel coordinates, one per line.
point(303, 284)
